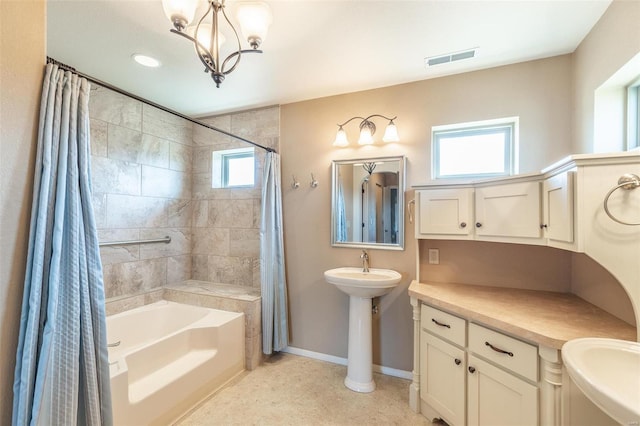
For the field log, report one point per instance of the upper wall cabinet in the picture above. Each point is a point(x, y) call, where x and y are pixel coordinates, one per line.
point(557, 207)
point(445, 212)
point(511, 211)
point(506, 213)
point(539, 209)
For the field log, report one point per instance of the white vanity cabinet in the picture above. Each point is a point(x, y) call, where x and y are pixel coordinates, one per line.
point(506, 212)
point(558, 208)
point(444, 213)
point(510, 210)
point(489, 379)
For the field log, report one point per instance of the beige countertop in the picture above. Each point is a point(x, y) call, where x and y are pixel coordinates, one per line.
point(543, 317)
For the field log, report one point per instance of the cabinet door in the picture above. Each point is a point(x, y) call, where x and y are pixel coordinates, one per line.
point(442, 378)
point(497, 398)
point(444, 212)
point(511, 210)
point(557, 207)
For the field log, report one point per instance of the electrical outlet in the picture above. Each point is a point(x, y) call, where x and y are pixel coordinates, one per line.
point(434, 256)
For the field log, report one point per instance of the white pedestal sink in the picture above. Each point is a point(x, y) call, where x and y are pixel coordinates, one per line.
point(607, 371)
point(361, 288)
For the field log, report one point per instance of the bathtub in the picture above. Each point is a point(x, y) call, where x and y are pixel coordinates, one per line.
point(165, 357)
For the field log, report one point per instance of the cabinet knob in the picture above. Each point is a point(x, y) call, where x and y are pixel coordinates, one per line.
point(472, 370)
point(478, 224)
point(543, 226)
point(463, 225)
point(457, 361)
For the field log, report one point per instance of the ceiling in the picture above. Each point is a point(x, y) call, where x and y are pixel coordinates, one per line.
point(314, 48)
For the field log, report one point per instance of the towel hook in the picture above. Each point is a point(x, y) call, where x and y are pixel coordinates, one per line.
point(627, 181)
point(314, 182)
point(295, 184)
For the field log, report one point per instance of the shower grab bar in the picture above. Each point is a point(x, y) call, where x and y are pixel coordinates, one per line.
point(165, 240)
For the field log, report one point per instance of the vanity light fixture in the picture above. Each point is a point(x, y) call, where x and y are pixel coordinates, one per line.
point(367, 130)
point(254, 18)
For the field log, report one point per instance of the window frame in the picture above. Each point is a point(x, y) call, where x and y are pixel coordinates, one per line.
point(220, 167)
point(508, 126)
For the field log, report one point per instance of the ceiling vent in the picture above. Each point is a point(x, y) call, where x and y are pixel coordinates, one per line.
point(450, 57)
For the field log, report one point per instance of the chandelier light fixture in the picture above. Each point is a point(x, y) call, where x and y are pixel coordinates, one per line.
point(367, 130)
point(254, 18)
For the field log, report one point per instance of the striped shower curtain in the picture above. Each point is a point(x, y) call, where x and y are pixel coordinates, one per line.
point(62, 369)
point(275, 329)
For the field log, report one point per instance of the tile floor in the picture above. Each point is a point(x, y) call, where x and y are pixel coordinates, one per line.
point(292, 390)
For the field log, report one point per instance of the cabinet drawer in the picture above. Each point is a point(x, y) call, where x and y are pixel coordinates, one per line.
point(445, 325)
point(505, 351)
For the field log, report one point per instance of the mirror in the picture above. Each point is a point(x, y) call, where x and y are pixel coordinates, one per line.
point(367, 203)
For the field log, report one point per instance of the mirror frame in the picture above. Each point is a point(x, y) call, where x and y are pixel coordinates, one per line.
point(401, 159)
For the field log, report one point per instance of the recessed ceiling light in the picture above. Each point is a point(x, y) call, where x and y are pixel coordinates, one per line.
point(146, 61)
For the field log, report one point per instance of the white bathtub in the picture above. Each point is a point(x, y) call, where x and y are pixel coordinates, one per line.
point(165, 357)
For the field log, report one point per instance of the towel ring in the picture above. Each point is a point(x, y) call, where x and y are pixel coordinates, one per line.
point(627, 181)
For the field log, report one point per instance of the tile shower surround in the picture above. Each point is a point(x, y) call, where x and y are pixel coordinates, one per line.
point(151, 177)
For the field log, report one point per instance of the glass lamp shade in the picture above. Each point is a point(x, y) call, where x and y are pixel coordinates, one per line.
point(254, 18)
point(204, 35)
point(391, 133)
point(366, 137)
point(341, 138)
point(180, 12)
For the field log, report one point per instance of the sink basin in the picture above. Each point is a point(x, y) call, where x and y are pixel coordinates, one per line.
point(607, 371)
point(354, 282)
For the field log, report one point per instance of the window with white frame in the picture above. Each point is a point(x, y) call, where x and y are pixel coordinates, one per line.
point(233, 168)
point(475, 150)
point(633, 115)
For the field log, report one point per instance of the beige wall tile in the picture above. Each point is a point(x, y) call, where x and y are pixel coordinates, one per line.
point(231, 270)
point(132, 146)
point(180, 157)
point(135, 277)
point(114, 176)
point(119, 254)
point(157, 182)
point(98, 137)
point(244, 242)
point(231, 214)
point(207, 241)
point(114, 108)
point(164, 125)
point(126, 211)
point(99, 202)
point(179, 213)
point(180, 242)
point(178, 268)
point(200, 267)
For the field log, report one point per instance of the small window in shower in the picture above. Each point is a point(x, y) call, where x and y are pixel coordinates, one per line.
point(233, 168)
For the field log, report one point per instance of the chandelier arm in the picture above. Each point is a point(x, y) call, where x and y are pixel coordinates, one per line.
point(349, 120)
point(234, 54)
point(198, 46)
point(237, 54)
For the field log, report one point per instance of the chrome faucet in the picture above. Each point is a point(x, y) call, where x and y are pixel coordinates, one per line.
point(365, 261)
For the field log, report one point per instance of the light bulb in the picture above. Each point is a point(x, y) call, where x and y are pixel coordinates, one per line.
point(254, 18)
point(341, 138)
point(391, 133)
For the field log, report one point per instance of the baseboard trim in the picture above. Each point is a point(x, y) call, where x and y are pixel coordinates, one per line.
point(343, 361)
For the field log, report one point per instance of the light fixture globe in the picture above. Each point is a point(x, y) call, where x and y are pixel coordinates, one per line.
point(341, 138)
point(254, 18)
point(391, 133)
point(180, 12)
point(367, 129)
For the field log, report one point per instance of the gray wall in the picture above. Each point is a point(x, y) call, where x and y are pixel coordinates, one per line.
point(539, 92)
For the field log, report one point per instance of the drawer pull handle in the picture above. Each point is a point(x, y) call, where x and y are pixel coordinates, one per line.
point(498, 349)
point(457, 361)
point(463, 225)
point(472, 370)
point(478, 225)
point(440, 324)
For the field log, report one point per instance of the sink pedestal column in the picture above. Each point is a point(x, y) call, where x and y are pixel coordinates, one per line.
point(360, 363)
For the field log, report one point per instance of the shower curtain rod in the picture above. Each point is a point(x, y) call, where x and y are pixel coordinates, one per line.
point(153, 104)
